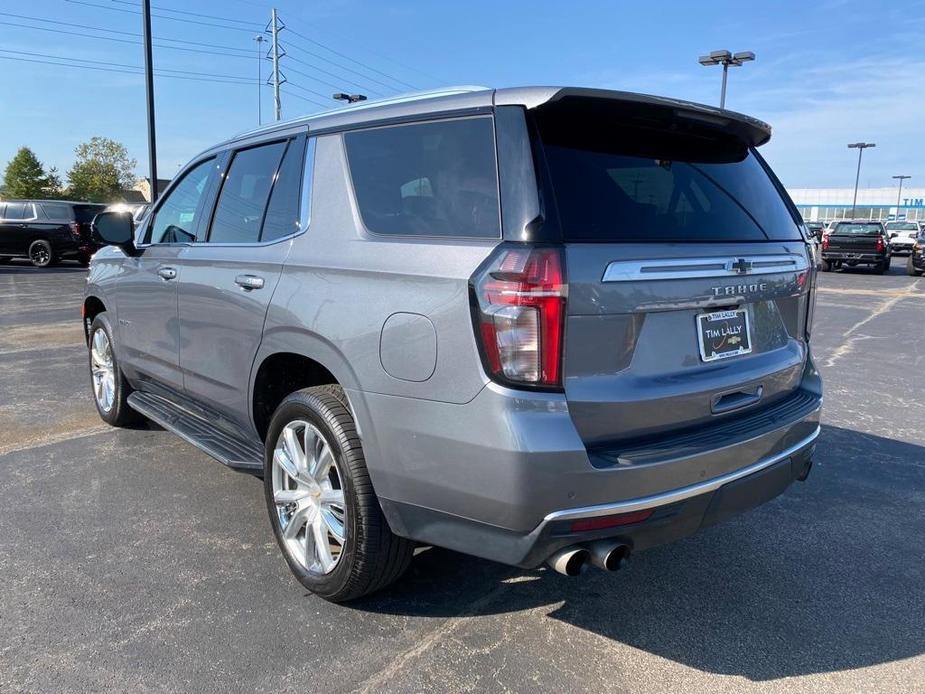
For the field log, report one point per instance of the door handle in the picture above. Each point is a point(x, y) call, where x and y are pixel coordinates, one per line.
point(249, 281)
point(167, 273)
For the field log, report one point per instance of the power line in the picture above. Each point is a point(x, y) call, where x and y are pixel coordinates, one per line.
point(327, 72)
point(303, 98)
point(107, 69)
point(191, 14)
point(138, 67)
point(160, 16)
point(110, 38)
point(352, 60)
point(309, 91)
point(342, 67)
point(123, 33)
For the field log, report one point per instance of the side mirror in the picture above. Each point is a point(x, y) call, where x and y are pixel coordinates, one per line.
point(114, 229)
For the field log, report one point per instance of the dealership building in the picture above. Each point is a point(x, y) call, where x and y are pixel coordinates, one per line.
point(823, 204)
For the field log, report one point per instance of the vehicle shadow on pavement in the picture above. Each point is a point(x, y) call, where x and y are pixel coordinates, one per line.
point(827, 577)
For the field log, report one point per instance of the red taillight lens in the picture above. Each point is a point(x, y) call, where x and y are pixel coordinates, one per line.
point(880, 244)
point(601, 522)
point(75, 229)
point(825, 242)
point(520, 296)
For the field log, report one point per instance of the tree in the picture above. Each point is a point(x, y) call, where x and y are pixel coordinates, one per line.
point(25, 177)
point(101, 170)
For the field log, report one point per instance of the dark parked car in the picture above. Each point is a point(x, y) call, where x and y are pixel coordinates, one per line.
point(46, 231)
point(815, 228)
point(851, 244)
point(533, 324)
point(915, 266)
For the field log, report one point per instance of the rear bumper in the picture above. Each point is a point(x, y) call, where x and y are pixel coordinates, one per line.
point(859, 258)
point(505, 476)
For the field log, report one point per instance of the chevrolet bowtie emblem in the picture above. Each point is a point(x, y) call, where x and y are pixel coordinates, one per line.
point(741, 266)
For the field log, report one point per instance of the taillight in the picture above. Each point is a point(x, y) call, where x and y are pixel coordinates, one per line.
point(519, 305)
point(825, 242)
point(880, 245)
point(75, 229)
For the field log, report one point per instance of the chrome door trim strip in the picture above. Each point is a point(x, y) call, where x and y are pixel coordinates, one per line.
point(683, 493)
point(694, 268)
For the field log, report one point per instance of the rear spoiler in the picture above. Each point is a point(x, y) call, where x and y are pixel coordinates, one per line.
point(750, 131)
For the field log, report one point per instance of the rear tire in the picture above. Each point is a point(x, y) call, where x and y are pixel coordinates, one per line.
point(826, 266)
point(881, 267)
point(327, 493)
point(910, 269)
point(42, 254)
point(110, 388)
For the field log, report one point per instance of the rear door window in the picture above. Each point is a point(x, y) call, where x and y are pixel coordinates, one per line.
point(16, 211)
point(284, 209)
point(243, 198)
point(645, 182)
point(57, 211)
point(427, 179)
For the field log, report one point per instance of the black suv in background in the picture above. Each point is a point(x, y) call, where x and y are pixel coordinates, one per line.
point(46, 231)
point(850, 244)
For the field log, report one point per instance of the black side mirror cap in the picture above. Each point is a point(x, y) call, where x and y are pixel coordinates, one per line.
point(114, 229)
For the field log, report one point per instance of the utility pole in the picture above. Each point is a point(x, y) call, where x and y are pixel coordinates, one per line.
point(860, 147)
point(900, 193)
point(725, 58)
point(277, 106)
point(259, 39)
point(149, 95)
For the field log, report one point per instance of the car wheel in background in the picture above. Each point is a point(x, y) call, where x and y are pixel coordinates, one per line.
point(910, 269)
point(826, 266)
point(110, 388)
point(42, 254)
point(323, 509)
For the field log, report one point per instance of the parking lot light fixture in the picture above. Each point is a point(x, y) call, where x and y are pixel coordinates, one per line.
point(725, 58)
point(860, 147)
point(899, 195)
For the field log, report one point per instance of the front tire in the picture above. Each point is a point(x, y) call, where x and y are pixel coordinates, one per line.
point(910, 269)
point(323, 509)
point(42, 254)
point(110, 388)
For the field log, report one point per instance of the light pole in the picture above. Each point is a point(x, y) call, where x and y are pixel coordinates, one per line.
point(860, 147)
point(349, 98)
point(259, 39)
point(900, 193)
point(725, 58)
point(149, 95)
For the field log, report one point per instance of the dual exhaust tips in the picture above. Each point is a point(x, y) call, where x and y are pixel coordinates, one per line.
point(609, 555)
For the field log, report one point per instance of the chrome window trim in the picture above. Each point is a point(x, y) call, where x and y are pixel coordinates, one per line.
point(695, 268)
point(683, 493)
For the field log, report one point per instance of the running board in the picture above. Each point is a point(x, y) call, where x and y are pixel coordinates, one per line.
point(229, 450)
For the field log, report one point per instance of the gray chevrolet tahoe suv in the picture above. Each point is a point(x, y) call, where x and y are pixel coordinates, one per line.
point(533, 325)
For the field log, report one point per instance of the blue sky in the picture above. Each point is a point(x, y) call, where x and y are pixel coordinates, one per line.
point(827, 73)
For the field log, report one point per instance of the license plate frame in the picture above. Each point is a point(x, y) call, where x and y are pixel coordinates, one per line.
point(725, 324)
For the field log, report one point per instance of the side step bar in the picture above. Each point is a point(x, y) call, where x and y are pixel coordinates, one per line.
point(229, 450)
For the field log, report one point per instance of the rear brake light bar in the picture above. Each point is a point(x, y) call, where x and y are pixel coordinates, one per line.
point(519, 298)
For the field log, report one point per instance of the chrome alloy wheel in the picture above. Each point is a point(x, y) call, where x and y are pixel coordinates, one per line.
point(308, 492)
point(102, 371)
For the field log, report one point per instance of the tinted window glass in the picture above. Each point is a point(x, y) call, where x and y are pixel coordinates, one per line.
point(86, 213)
point(283, 211)
point(619, 177)
point(175, 220)
point(902, 226)
point(57, 211)
point(243, 199)
point(16, 211)
point(860, 228)
point(428, 179)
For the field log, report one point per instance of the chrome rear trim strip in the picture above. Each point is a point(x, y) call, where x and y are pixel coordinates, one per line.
point(676, 495)
point(694, 268)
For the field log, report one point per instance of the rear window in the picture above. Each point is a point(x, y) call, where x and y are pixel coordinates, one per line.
point(619, 177)
point(57, 210)
point(86, 213)
point(902, 226)
point(852, 228)
point(427, 179)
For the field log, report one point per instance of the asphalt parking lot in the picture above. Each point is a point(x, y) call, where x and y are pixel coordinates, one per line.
point(131, 561)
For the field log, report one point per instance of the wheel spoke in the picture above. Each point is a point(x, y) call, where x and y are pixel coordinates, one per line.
point(289, 496)
point(333, 497)
point(323, 465)
point(333, 525)
point(322, 547)
point(294, 451)
point(285, 462)
point(297, 521)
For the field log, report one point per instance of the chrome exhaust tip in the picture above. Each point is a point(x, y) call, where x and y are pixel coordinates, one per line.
point(609, 555)
point(569, 561)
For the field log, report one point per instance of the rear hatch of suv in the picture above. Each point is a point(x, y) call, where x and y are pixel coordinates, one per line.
point(688, 273)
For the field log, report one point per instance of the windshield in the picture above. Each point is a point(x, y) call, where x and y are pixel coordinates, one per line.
point(902, 226)
point(852, 228)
